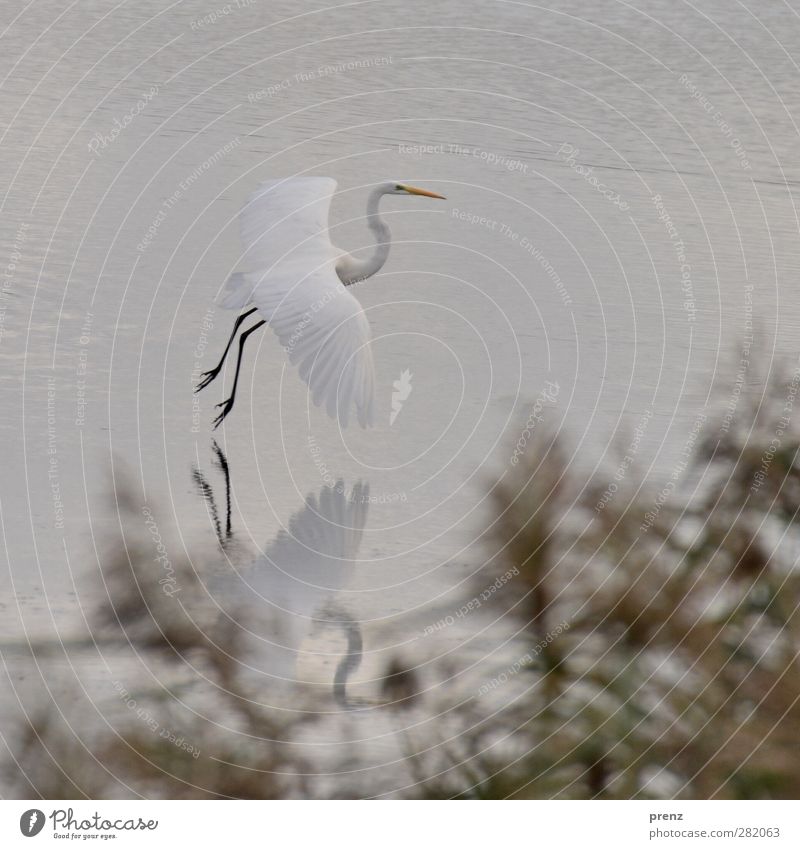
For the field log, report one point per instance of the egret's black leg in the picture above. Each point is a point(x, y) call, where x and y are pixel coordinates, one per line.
point(208, 376)
point(227, 404)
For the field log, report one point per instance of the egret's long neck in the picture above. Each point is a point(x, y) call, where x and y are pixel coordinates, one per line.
point(353, 269)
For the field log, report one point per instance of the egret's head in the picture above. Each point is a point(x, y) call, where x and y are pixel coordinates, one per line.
point(403, 189)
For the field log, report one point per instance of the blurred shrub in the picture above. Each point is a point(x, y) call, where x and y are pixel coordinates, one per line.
point(678, 672)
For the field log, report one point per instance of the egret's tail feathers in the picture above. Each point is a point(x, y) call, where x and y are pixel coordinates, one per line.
point(238, 292)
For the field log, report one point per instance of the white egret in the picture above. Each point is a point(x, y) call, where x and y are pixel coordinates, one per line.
point(298, 287)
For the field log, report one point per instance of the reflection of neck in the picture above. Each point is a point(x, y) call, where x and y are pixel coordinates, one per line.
point(352, 270)
point(352, 657)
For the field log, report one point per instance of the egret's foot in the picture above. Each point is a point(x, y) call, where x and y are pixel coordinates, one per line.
point(207, 376)
point(227, 406)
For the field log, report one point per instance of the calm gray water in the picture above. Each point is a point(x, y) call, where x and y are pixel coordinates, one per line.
point(621, 182)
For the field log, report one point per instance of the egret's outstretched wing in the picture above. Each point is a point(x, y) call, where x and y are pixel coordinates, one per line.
point(324, 331)
point(286, 220)
point(322, 327)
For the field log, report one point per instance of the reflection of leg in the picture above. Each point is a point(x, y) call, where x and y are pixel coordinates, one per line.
point(208, 376)
point(222, 460)
point(208, 493)
point(227, 404)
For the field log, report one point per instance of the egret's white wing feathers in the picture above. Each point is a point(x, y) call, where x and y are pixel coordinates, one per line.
point(324, 331)
point(238, 291)
point(322, 327)
point(286, 220)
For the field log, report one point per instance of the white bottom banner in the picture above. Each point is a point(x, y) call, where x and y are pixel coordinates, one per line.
point(395, 824)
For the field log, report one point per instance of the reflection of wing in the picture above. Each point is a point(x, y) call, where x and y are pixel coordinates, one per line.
point(301, 569)
point(313, 557)
point(322, 327)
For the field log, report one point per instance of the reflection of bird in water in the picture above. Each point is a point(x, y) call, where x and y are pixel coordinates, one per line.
point(298, 286)
point(300, 572)
point(221, 462)
point(289, 592)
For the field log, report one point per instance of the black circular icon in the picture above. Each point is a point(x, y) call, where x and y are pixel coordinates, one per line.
point(31, 822)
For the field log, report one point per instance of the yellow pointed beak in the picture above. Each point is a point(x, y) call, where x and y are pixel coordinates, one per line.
point(423, 192)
